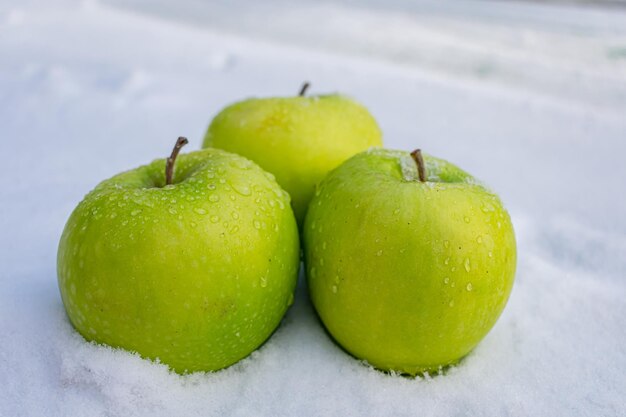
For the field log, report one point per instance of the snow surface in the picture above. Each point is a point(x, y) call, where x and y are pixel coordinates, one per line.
point(529, 98)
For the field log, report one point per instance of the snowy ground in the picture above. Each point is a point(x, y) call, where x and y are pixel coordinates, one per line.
point(529, 98)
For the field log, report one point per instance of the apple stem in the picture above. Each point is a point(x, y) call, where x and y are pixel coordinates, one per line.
point(421, 168)
point(303, 89)
point(169, 166)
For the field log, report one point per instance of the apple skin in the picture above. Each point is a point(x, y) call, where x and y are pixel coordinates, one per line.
point(298, 139)
point(197, 274)
point(406, 275)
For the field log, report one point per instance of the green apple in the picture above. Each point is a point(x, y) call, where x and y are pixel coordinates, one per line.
point(197, 273)
point(407, 268)
point(299, 139)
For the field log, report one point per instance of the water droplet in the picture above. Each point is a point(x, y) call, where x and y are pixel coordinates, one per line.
point(446, 280)
point(380, 252)
point(263, 281)
point(466, 264)
point(335, 289)
point(200, 210)
point(446, 243)
point(451, 303)
point(469, 287)
point(214, 198)
point(232, 197)
point(257, 224)
point(211, 186)
point(396, 211)
point(357, 205)
point(222, 181)
point(193, 224)
point(234, 229)
point(466, 219)
point(337, 279)
point(234, 215)
point(317, 191)
point(453, 284)
point(499, 225)
point(479, 239)
point(214, 219)
point(323, 245)
point(447, 261)
point(135, 212)
point(242, 189)
point(490, 254)
point(453, 269)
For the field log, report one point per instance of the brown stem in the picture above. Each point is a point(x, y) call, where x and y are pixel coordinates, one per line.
point(169, 166)
point(303, 89)
point(421, 168)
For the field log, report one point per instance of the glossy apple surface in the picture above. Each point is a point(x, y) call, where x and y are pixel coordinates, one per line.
point(404, 274)
point(298, 139)
point(197, 274)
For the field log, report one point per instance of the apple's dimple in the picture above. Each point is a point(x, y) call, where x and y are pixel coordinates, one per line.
point(424, 272)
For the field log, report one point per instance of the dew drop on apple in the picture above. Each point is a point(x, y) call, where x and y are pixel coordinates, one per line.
point(479, 239)
point(490, 254)
point(451, 303)
point(469, 287)
point(234, 215)
point(214, 198)
point(199, 210)
point(446, 280)
point(234, 229)
point(334, 288)
point(214, 219)
point(257, 224)
point(446, 243)
point(135, 212)
point(242, 189)
point(379, 253)
point(466, 219)
point(263, 281)
point(396, 211)
point(211, 186)
point(466, 264)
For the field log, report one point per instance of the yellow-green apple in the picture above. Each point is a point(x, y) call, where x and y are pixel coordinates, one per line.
point(299, 139)
point(195, 267)
point(409, 259)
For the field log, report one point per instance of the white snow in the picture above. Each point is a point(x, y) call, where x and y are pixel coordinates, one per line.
point(529, 98)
